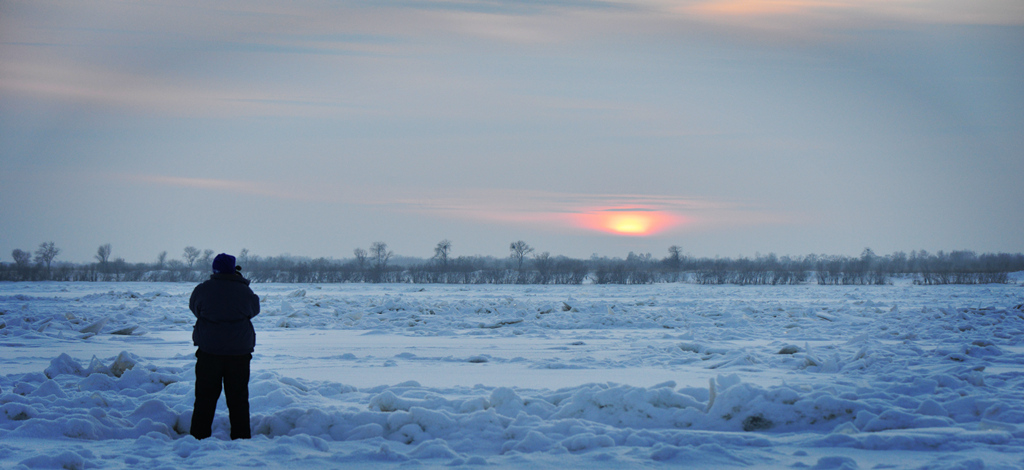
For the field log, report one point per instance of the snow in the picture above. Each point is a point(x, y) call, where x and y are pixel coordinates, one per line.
point(101, 375)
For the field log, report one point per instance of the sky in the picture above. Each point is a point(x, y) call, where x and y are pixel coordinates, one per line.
point(311, 128)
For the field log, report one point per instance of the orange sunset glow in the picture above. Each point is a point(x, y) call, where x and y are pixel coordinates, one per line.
point(760, 7)
point(628, 221)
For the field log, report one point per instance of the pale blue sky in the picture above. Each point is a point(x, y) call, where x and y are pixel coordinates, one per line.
point(315, 127)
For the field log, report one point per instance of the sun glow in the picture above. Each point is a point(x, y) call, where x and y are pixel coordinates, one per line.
point(628, 221)
point(636, 224)
point(762, 7)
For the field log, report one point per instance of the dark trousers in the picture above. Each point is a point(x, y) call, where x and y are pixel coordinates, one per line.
point(233, 372)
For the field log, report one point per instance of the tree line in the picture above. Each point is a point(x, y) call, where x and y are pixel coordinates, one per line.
point(525, 265)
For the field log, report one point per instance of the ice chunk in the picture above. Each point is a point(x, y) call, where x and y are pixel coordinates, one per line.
point(506, 402)
point(125, 331)
point(123, 362)
point(846, 428)
point(890, 419)
point(97, 382)
point(587, 441)
point(931, 407)
point(154, 410)
point(533, 442)
point(65, 460)
point(17, 411)
point(366, 431)
point(835, 463)
point(726, 381)
point(386, 401)
point(789, 349)
point(63, 364)
point(433, 449)
point(95, 327)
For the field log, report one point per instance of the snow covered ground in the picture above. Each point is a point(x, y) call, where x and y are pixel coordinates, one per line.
point(97, 375)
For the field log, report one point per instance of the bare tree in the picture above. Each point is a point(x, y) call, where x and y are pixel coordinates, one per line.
point(360, 255)
point(544, 265)
point(21, 258)
point(519, 250)
point(381, 255)
point(46, 253)
point(675, 258)
point(161, 259)
point(191, 255)
point(441, 252)
point(103, 254)
point(22, 262)
point(207, 258)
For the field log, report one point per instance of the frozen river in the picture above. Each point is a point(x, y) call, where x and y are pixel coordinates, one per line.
point(569, 376)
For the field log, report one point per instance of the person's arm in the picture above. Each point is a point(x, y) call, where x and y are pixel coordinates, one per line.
point(193, 303)
point(255, 305)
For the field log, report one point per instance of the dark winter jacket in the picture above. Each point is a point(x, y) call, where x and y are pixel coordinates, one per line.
point(224, 306)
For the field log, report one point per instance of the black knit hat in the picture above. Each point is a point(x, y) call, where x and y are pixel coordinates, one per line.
point(224, 263)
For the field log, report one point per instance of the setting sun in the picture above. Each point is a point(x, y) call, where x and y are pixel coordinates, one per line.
point(627, 221)
point(636, 224)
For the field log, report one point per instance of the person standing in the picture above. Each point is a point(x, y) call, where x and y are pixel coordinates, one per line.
point(224, 306)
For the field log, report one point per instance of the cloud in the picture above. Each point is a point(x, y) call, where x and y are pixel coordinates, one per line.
point(194, 60)
point(147, 94)
point(512, 7)
point(763, 7)
point(222, 185)
point(568, 211)
point(835, 12)
point(544, 210)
